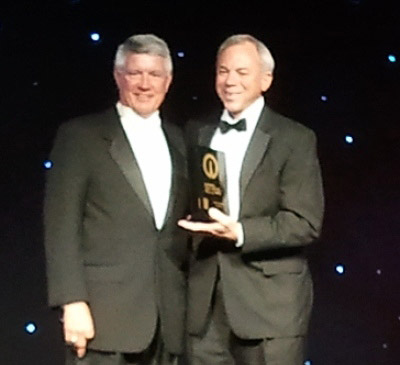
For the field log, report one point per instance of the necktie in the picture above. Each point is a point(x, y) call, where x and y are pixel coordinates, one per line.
point(239, 126)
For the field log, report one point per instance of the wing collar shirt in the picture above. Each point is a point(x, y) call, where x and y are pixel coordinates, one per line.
point(149, 145)
point(234, 144)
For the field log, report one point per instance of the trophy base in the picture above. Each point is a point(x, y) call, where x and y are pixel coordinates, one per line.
point(200, 215)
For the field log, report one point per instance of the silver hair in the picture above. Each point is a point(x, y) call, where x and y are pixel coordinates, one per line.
point(143, 44)
point(267, 61)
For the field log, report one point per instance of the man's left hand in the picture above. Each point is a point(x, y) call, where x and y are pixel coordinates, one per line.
point(223, 226)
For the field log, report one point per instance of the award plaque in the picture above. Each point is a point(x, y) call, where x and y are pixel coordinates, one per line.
point(208, 181)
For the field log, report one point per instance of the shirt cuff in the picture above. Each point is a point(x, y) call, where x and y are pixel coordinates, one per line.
point(240, 240)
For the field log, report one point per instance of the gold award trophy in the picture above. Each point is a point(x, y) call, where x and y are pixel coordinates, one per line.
point(208, 181)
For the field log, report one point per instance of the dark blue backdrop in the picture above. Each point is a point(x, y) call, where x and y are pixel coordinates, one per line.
point(51, 70)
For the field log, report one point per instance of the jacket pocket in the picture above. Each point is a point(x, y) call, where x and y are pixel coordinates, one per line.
point(283, 266)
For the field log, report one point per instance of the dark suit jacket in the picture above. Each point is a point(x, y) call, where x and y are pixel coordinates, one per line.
point(101, 242)
point(267, 288)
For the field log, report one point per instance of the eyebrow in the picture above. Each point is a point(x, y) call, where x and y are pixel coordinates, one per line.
point(237, 69)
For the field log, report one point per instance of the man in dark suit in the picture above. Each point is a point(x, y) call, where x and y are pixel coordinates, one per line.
point(250, 290)
point(115, 256)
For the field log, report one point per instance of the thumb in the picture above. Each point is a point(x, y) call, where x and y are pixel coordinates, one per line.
point(219, 217)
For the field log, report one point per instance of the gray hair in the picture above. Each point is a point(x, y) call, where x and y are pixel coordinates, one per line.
point(267, 61)
point(143, 44)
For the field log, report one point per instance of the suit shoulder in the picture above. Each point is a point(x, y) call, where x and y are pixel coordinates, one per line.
point(175, 134)
point(210, 118)
point(88, 122)
point(173, 128)
point(195, 124)
point(291, 127)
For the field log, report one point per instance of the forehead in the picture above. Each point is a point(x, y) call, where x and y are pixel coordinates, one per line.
point(143, 61)
point(239, 55)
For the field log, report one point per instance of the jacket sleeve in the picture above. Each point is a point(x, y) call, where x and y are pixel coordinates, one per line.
point(66, 185)
point(298, 220)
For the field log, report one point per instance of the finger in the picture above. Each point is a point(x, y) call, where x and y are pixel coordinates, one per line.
point(80, 346)
point(218, 216)
point(89, 334)
point(201, 227)
point(80, 351)
point(192, 226)
point(182, 223)
point(70, 337)
point(220, 231)
point(73, 339)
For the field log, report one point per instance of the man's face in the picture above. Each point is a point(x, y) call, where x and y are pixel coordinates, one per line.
point(143, 82)
point(240, 79)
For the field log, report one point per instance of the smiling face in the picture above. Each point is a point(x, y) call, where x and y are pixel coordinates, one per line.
point(240, 78)
point(143, 82)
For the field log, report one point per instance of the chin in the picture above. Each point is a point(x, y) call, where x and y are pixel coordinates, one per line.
point(231, 105)
point(231, 109)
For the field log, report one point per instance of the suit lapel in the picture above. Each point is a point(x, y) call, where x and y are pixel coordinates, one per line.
point(256, 150)
point(206, 133)
point(122, 154)
point(177, 163)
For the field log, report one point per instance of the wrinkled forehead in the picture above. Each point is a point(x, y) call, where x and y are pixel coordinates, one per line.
point(146, 61)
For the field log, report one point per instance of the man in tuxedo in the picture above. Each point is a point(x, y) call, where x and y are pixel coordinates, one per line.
point(250, 290)
point(115, 256)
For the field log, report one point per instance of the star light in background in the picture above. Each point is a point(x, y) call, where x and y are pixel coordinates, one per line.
point(47, 164)
point(95, 37)
point(349, 139)
point(30, 328)
point(340, 269)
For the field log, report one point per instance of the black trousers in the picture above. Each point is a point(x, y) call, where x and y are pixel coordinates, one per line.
point(220, 346)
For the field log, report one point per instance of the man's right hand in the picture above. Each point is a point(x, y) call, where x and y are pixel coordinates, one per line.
point(78, 326)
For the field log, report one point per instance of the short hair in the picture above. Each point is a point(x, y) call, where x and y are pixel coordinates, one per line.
point(143, 44)
point(267, 61)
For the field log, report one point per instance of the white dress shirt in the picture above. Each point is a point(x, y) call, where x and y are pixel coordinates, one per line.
point(234, 144)
point(149, 145)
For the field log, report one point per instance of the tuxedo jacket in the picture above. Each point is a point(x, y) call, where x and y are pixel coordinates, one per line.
point(266, 284)
point(101, 243)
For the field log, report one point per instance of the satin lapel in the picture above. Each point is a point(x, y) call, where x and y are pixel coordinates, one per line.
point(122, 154)
point(256, 150)
point(206, 133)
point(177, 163)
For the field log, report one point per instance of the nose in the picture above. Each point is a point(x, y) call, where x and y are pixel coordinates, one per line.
point(231, 78)
point(144, 81)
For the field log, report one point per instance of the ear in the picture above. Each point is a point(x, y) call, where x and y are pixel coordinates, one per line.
point(266, 80)
point(168, 82)
point(117, 77)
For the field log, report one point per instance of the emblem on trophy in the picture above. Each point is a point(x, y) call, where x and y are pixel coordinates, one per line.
point(208, 181)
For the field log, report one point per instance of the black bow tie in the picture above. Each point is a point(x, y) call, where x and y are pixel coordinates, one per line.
point(239, 126)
